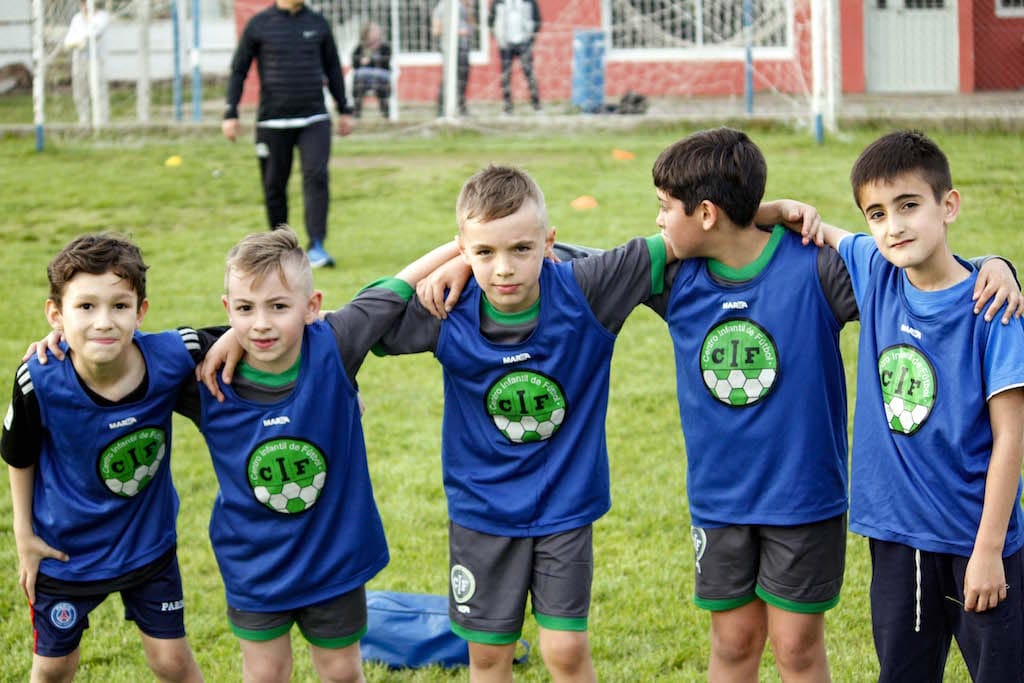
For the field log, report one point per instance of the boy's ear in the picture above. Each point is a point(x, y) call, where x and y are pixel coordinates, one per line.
point(707, 211)
point(462, 248)
point(313, 305)
point(53, 315)
point(227, 305)
point(951, 205)
point(143, 308)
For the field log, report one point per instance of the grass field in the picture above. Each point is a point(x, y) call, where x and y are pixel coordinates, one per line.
point(393, 198)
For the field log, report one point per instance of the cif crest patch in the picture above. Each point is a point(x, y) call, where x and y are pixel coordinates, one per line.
point(287, 475)
point(908, 382)
point(130, 462)
point(526, 406)
point(700, 544)
point(463, 583)
point(63, 615)
point(739, 362)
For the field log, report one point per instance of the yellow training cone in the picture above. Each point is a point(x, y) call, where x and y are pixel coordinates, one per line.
point(173, 161)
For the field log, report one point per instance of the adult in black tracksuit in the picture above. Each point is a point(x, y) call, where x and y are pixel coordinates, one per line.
point(295, 54)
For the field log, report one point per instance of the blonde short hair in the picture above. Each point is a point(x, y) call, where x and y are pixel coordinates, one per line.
point(496, 192)
point(276, 251)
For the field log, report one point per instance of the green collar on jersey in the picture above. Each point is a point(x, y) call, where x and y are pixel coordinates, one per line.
point(270, 379)
point(519, 318)
point(749, 271)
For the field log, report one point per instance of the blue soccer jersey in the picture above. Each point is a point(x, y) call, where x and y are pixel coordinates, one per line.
point(294, 522)
point(523, 439)
point(762, 392)
point(103, 491)
point(922, 437)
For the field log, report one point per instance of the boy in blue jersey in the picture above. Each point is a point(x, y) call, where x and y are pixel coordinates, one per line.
point(938, 427)
point(87, 444)
point(526, 355)
point(294, 527)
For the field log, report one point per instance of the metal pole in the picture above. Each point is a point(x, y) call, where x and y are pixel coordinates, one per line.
point(197, 75)
point(39, 73)
point(451, 56)
point(176, 51)
point(748, 30)
point(817, 67)
point(94, 66)
point(142, 90)
point(396, 38)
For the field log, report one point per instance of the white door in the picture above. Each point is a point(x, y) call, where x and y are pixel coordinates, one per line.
point(911, 46)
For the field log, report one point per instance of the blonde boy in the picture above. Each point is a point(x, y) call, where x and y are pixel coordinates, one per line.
point(295, 528)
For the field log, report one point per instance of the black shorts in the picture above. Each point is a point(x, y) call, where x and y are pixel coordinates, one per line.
point(795, 568)
point(333, 624)
point(490, 577)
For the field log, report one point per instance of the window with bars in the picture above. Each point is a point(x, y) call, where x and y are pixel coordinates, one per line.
point(697, 24)
point(1009, 8)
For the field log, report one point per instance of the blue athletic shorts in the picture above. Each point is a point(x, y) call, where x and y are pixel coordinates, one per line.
point(156, 606)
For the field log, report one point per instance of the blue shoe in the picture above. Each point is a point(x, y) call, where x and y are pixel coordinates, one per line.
point(318, 257)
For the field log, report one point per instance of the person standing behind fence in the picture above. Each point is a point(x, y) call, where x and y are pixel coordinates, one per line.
point(83, 25)
point(515, 23)
point(372, 63)
point(467, 25)
point(295, 53)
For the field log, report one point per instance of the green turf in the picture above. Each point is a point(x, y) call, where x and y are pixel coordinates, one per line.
point(392, 199)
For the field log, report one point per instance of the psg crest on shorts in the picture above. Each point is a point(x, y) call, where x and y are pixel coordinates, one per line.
point(63, 615)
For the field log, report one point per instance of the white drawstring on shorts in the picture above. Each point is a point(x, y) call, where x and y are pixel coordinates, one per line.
point(917, 590)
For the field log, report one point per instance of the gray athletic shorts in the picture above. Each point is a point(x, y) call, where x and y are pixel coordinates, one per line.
point(332, 624)
point(491, 576)
point(795, 568)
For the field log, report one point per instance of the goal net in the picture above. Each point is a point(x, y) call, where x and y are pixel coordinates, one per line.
point(683, 58)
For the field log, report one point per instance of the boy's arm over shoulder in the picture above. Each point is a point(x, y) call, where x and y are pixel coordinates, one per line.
point(382, 305)
point(618, 280)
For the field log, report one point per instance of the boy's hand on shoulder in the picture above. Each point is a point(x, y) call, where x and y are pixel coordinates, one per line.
point(50, 342)
point(226, 352)
point(31, 551)
point(996, 286)
point(794, 215)
point(984, 581)
point(440, 291)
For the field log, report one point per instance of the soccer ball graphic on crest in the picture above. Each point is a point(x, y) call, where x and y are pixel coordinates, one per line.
point(526, 406)
point(740, 387)
point(291, 497)
point(527, 428)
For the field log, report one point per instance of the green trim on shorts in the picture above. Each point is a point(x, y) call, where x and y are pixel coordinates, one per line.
point(798, 607)
point(263, 635)
point(723, 605)
point(561, 623)
point(485, 637)
point(336, 643)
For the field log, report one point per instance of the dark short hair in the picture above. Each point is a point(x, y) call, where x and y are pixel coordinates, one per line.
point(721, 165)
point(97, 254)
point(899, 153)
